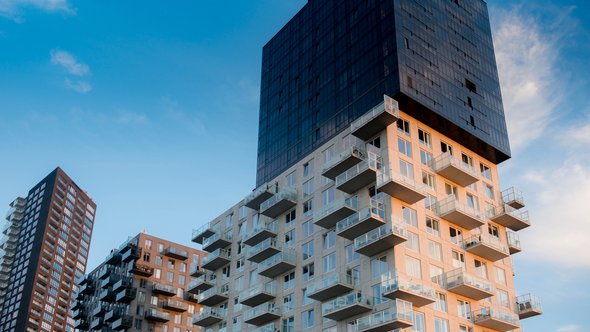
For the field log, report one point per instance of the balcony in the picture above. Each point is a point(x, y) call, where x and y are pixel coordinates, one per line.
point(122, 283)
point(196, 271)
point(154, 315)
point(495, 319)
point(123, 323)
point(126, 295)
point(107, 295)
point(352, 153)
point(158, 288)
point(363, 221)
point(331, 286)
point(487, 247)
point(513, 242)
point(176, 253)
point(174, 305)
point(277, 264)
point(194, 298)
point(203, 232)
point(346, 306)
point(285, 199)
point(459, 282)
point(216, 259)
point(142, 270)
point(209, 317)
point(510, 217)
point(395, 286)
point(258, 294)
point(360, 175)
point(461, 215)
point(110, 280)
point(261, 232)
point(380, 239)
point(112, 315)
point(335, 211)
point(454, 169)
point(130, 253)
point(270, 327)
point(217, 241)
point(397, 316)
point(263, 250)
point(86, 289)
point(79, 313)
point(528, 305)
point(513, 197)
point(202, 283)
point(262, 314)
point(213, 296)
point(375, 120)
point(258, 196)
point(400, 186)
point(96, 323)
point(82, 324)
point(113, 258)
point(107, 270)
point(99, 310)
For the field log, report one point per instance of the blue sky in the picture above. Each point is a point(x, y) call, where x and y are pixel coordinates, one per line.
point(153, 109)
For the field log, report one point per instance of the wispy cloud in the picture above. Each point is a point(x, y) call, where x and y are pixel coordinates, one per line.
point(569, 328)
point(191, 121)
point(527, 51)
point(13, 9)
point(73, 67)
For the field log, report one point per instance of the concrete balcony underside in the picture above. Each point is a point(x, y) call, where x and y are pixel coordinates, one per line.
point(259, 236)
point(207, 319)
point(264, 254)
point(276, 269)
point(344, 163)
point(258, 298)
point(200, 286)
point(348, 311)
point(417, 299)
point(462, 219)
point(360, 180)
point(402, 191)
point(281, 205)
point(513, 248)
point(258, 197)
point(329, 220)
point(331, 291)
point(217, 243)
point(202, 234)
point(485, 250)
point(510, 221)
point(385, 242)
point(213, 299)
point(494, 323)
point(367, 223)
point(263, 318)
point(470, 291)
point(457, 175)
point(216, 263)
point(369, 127)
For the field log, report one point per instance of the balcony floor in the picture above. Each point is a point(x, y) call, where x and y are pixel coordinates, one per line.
point(462, 219)
point(278, 208)
point(277, 269)
point(361, 227)
point(486, 251)
point(510, 221)
point(401, 191)
point(417, 299)
point(471, 292)
point(216, 263)
point(207, 321)
point(359, 181)
point(331, 292)
point(457, 175)
point(257, 299)
point(384, 243)
point(343, 165)
point(330, 220)
point(494, 324)
point(348, 311)
point(263, 318)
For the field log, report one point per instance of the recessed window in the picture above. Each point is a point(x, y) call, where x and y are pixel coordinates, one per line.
point(470, 86)
point(424, 137)
point(403, 126)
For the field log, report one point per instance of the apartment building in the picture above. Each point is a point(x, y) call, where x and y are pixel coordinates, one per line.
point(45, 247)
point(140, 286)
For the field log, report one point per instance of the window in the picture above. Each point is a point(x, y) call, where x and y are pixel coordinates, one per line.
point(307, 229)
point(404, 147)
point(424, 137)
point(413, 242)
point(409, 216)
point(430, 202)
point(403, 126)
point(290, 217)
point(503, 298)
point(435, 250)
point(291, 179)
point(458, 259)
point(329, 239)
point(378, 266)
point(308, 168)
point(428, 179)
point(444, 147)
point(308, 208)
point(148, 244)
point(470, 86)
point(305, 299)
point(413, 268)
point(330, 262)
point(289, 280)
point(308, 187)
point(481, 269)
point(378, 297)
point(441, 302)
point(436, 274)
point(489, 190)
point(485, 171)
point(290, 238)
point(170, 276)
point(456, 235)
point(419, 322)
point(308, 271)
point(351, 254)
point(288, 324)
point(288, 302)
point(451, 190)
point(425, 157)
point(406, 169)
point(500, 276)
point(494, 231)
point(472, 202)
point(463, 308)
point(328, 196)
point(307, 250)
point(307, 319)
point(432, 226)
point(328, 154)
point(464, 328)
point(467, 160)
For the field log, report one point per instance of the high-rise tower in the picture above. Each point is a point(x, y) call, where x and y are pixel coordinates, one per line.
point(47, 237)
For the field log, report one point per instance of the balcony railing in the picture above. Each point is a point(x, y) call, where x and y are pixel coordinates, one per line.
point(380, 239)
point(258, 196)
point(360, 175)
point(396, 286)
point(264, 250)
point(454, 169)
point(495, 319)
point(376, 119)
point(459, 282)
point(453, 211)
point(363, 221)
point(202, 283)
point(262, 314)
point(204, 232)
point(157, 315)
point(400, 186)
point(346, 306)
point(528, 305)
point(174, 305)
point(271, 327)
point(164, 289)
point(277, 264)
point(352, 152)
point(209, 317)
point(213, 296)
point(331, 286)
point(260, 232)
point(335, 211)
point(258, 294)
point(285, 199)
point(175, 252)
point(513, 197)
point(488, 247)
point(513, 242)
point(397, 316)
point(216, 259)
point(217, 240)
point(510, 217)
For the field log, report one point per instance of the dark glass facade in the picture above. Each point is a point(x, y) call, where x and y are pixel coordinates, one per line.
point(336, 58)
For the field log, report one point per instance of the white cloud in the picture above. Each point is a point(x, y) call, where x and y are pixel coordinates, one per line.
point(569, 328)
point(13, 8)
point(68, 62)
point(577, 135)
point(80, 86)
point(527, 51)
